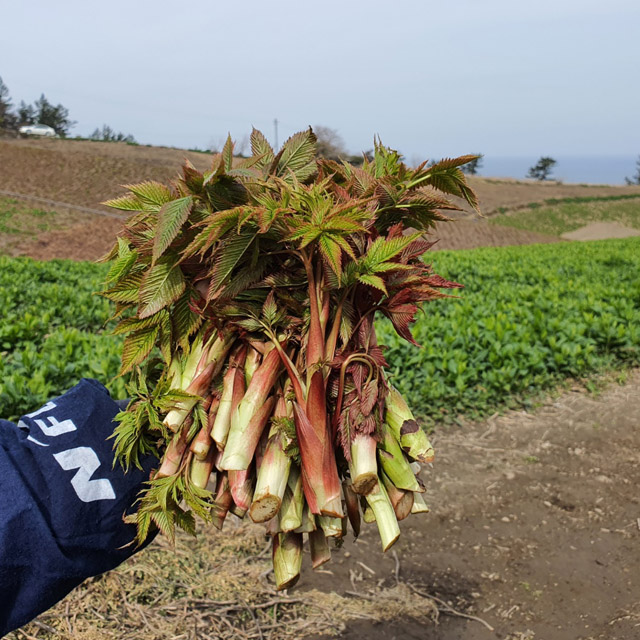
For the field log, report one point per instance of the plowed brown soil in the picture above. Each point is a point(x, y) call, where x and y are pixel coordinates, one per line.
point(511, 194)
point(473, 233)
point(87, 173)
point(535, 528)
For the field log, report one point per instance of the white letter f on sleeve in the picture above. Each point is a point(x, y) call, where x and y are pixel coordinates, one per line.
point(85, 460)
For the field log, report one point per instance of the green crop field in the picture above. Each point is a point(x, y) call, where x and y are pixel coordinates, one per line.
point(528, 318)
point(53, 331)
point(555, 217)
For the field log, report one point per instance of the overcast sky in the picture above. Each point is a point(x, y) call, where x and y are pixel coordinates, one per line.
point(501, 77)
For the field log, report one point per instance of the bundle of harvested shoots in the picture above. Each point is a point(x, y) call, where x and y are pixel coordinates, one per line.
point(248, 295)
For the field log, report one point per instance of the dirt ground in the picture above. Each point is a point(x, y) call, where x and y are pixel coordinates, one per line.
point(494, 193)
point(91, 240)
point(533, 535)
point(598, 230)
point(86, 241)
point(535, 527)
point(86, 173)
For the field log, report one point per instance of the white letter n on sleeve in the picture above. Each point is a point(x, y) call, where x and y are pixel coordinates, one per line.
point(85, 460)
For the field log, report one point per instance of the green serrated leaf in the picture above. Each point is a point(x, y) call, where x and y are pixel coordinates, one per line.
point(298, 152)
point(137, 347)
point(250, 324)
point(185, 321)
point(347, 321)
point(171, 217)
point(383, 250)
point(122, 265)
point(229, 255)
point(165, 521)
point(332, 253)
point(162, 285)
point(261, 148)
point(270, 309)
point(186, 521)
point(128, 202)
point(373, 281)
point(127, 289)
point(135, 324)
point(152, 192)
point(227, 154)
point(143, 521)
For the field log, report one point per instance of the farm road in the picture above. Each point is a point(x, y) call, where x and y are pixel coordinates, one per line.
point(535, 527)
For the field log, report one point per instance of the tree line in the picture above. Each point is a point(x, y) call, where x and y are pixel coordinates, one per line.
point(44, 112)
point(40, 112)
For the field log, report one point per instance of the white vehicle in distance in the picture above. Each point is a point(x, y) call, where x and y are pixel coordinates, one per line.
point(37, 130)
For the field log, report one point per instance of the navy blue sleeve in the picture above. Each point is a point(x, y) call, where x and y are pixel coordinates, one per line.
point(61, 502)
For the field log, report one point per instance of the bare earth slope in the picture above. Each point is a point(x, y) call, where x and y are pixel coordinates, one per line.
point(470, 233)
point(535, 527)
point(87, 173)
point(507, 193)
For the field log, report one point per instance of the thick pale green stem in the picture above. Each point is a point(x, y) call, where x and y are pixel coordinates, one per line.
point(419, 505)
point(363, 467)
point(287, 559)
point(201, 444)
point(250, 418)
point(222, 501)
point(293, 502)
point(367, 515)
point(233, 388)
point(201, 366)
point(247, 424)
point(175, 451)
point(394, 463)
point(251, 364)
point(271, 481)
point(332, 527)
point(385, 516)
point(407, 431)
point(308, 521)
point(201, 469)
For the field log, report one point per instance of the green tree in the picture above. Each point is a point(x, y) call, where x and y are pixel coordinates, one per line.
point(634, 179)
point(26, 114)
point(7, 117)
point(107, 134)
point(542, 169)
point(57, 117)
point(472, 167)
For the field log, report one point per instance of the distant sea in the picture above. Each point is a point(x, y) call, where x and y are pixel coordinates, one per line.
point(577, 169)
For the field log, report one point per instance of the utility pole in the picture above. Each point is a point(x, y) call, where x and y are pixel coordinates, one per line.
point(275, 124)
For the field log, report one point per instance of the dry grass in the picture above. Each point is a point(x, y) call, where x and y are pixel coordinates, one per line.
point(216, 586)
